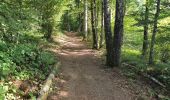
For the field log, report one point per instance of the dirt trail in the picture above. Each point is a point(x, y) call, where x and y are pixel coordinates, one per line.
point(83, 77)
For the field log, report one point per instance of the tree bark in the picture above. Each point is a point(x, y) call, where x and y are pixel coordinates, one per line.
point(118, 32)
point(108, 34)
point(85, 20)
point(102, 26)
point(94, 24)
point(145, 35)
point(151, 56)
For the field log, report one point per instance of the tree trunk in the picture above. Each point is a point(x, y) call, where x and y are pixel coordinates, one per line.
point(151, 56)
point(85, 20)
point(80, 18)
point(118, 32)
point(49, 32)
point(94, 24)
point(145, 36)
point(47, 28)
point(102, 26)
point(108, 34)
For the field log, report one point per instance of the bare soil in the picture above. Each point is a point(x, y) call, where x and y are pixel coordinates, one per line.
point(83, 75)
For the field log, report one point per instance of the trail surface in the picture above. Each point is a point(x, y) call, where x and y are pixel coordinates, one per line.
point(83, 77)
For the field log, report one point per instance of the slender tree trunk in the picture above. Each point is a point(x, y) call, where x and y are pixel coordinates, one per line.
point(46, 28)
point(94, 24)
point(102, 26)
point(126, 2)
point(118, 32)
point(108, 34)
point(151, 56)
point(85, 20)
point(80, 18)
point(96, 46)
point(79, 15)
point(68, 22)
point(49, 31)
point(145, 36)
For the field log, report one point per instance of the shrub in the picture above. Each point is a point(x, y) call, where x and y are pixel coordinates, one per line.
point(29, 57)
point(24, 54)
point(6, 65)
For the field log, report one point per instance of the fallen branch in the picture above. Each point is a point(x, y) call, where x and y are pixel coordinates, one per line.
point(154, 79)
point(147, 76)
point(46, 87)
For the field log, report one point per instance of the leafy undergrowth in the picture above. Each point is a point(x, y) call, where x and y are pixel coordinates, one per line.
point(24, 67)
point(160, 71)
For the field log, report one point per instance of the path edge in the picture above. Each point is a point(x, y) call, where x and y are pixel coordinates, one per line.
point(43, 94)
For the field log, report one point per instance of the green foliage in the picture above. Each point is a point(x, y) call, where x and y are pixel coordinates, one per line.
point(2, 92)
point(132, 34)
point(46, 58)
point(29, 57)
point(6, 65)
point(14, 19)
point(3, 46)
point(160, 71)
point(22, 24)
point(23, 61)
point(133, 39)
point(72, 17)
point(24, 53)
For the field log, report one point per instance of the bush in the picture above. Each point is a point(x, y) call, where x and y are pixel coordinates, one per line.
point(45, 59)
point(2, 92)
point(29, 57)
point(6, 65)
point(22, 62)
point(24, 54)
point(3, 46)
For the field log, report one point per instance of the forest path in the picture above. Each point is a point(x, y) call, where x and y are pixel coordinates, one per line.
point(83, 77)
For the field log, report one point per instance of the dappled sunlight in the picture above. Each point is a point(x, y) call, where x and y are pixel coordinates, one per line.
point(131, 51)
point(75, 53)
point(73, 47)
point(64, 54)
point(81, 77)
point(63, 94)
point(165, 21)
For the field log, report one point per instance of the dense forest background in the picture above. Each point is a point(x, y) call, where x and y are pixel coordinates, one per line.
point(133, 34)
